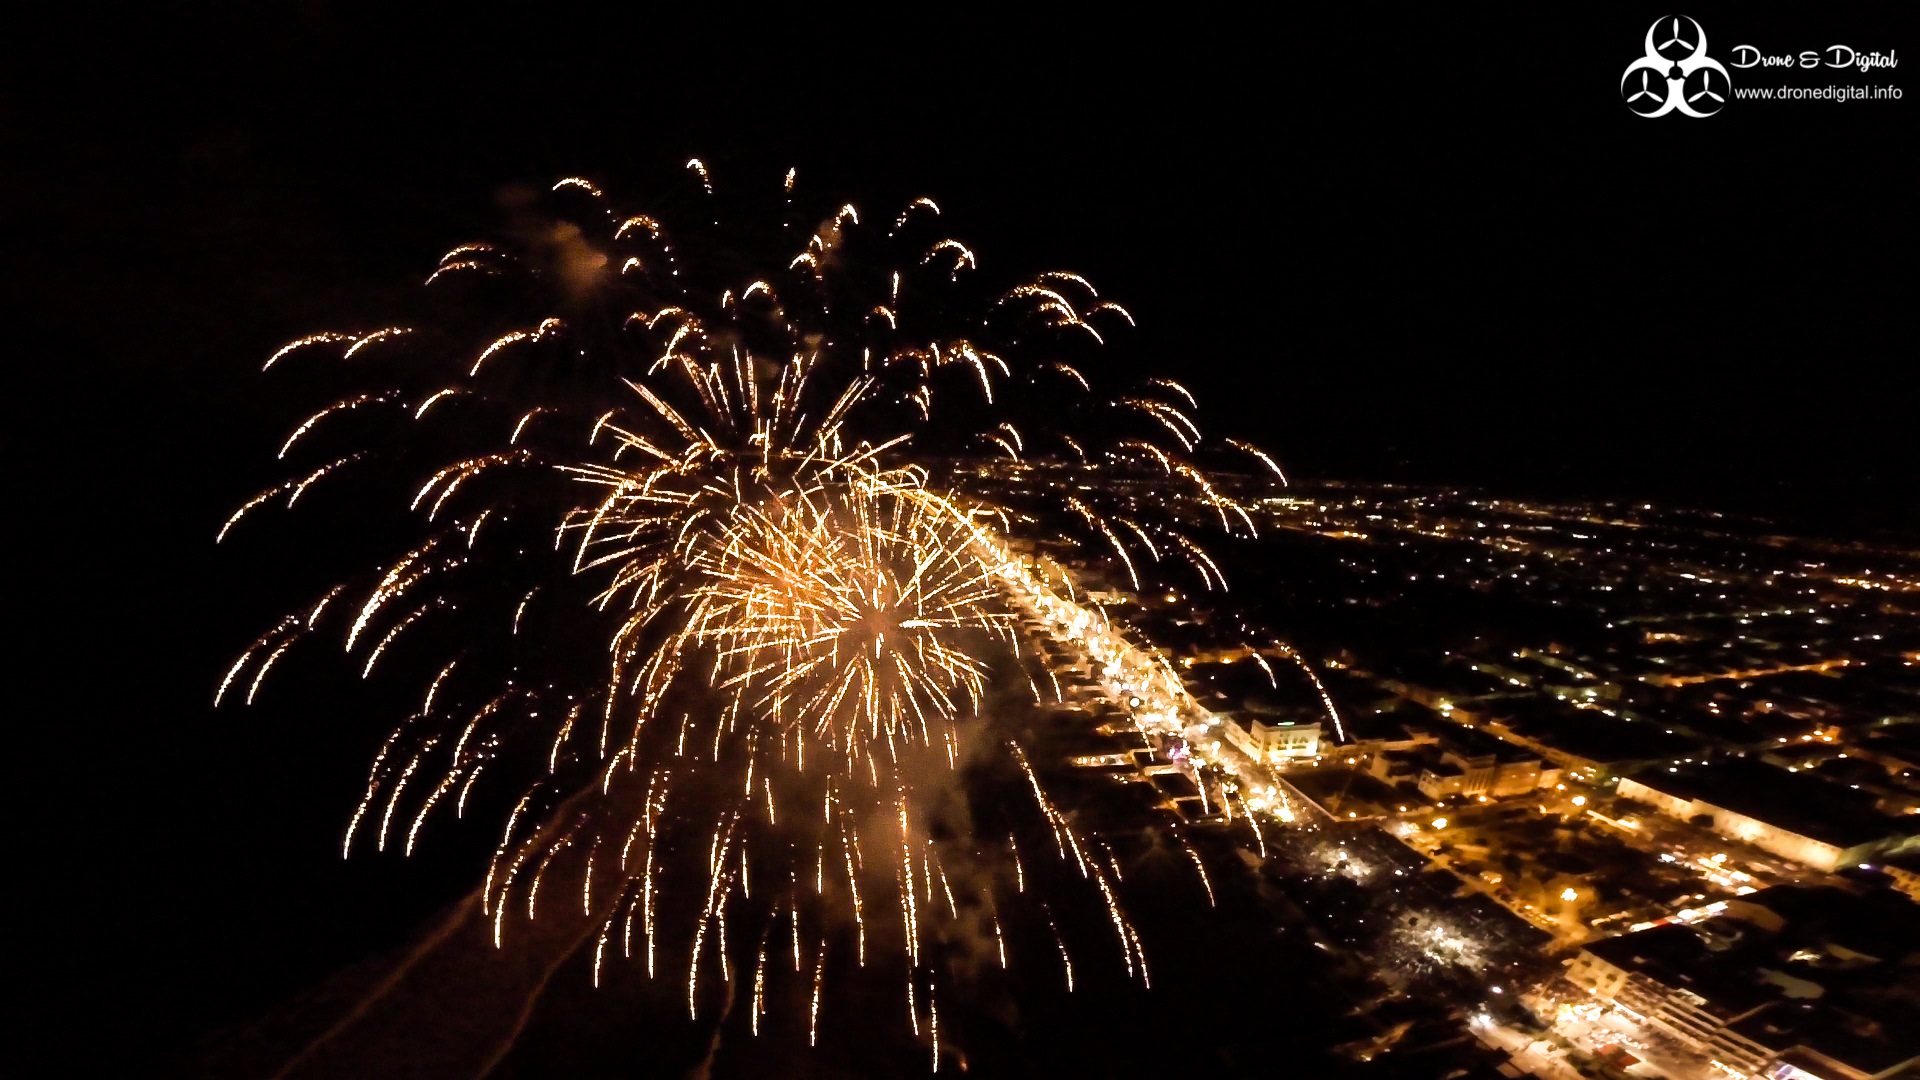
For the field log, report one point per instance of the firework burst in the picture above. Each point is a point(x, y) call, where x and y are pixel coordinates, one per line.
point(741, 495)
point(839, 614)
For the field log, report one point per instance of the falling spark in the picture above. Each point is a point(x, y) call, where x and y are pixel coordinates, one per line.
point(740, 492)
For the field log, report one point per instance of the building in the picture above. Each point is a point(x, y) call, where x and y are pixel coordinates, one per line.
point(1792, 815)
point(1665, 978)
point(1270, 719)
point(1469, 763)
point(1904, 870)
point(1791, 983)
point(1494, 775)
point(1270, 739)
point(1444, 759)
point(1398, 765)
point(1810, 1063)
point(1094, 749)
point(1391, 724)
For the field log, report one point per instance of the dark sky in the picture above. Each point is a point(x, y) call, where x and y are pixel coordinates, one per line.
point(1430, 244)
point(1419, 242)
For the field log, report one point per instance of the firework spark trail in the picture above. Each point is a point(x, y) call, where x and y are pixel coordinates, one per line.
point(739, 499)
point(1199, 867)
point(1326, 699)
point(1065, 960)
point(813, 1012)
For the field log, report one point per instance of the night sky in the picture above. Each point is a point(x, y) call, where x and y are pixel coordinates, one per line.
point(1423, 244)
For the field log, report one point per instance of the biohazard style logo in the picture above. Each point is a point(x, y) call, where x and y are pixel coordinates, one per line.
point(1676, 75)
